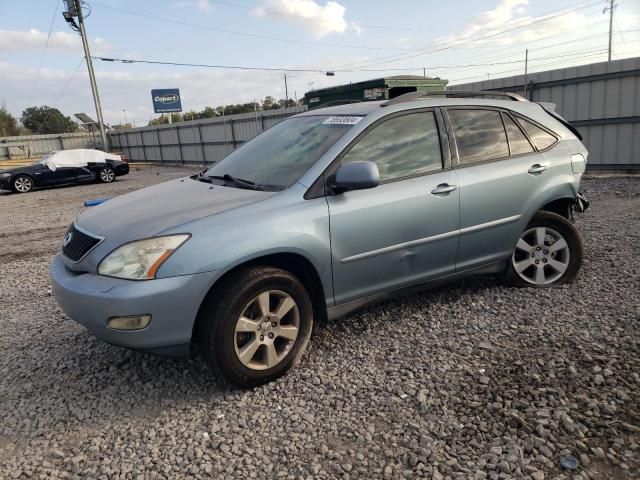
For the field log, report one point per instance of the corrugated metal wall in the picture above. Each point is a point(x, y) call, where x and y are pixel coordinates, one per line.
point(601, 99)
point(27, 146)
point(198, 141)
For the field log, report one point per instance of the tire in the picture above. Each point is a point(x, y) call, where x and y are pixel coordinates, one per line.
point(106, 175)
point(231, 322)
point(549, 252)
point(22, 184)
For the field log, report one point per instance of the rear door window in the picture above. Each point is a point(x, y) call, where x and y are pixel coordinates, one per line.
point(479, 135)
point(518, 142)
point(540, 138)
point(402, 146)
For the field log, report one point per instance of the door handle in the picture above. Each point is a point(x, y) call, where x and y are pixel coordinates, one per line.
point(537, 168)
point(443, 189)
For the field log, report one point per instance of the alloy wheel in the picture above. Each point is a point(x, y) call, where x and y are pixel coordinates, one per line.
point(266, 330)
point(541, 256)
point(23, 184)
point(107, 175)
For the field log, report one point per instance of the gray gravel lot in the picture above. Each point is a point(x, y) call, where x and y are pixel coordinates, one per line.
point(468, 381)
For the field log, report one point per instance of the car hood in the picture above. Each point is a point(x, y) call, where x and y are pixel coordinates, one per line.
point(150, 211)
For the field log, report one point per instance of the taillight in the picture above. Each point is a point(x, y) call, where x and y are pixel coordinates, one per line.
point(124, 158)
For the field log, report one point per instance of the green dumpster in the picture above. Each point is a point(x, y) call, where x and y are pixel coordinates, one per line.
point(376, 89)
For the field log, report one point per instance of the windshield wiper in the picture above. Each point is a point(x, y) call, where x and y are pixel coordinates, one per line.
point(248, 184)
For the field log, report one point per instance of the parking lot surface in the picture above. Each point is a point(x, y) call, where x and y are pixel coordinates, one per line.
point(468, 381)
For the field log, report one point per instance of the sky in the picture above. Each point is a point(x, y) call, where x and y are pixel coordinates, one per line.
point(42, 61)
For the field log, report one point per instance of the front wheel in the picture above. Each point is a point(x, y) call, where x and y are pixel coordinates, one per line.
point(106, 175)
point(255, 326)
point(549, 252)
point(22, 184)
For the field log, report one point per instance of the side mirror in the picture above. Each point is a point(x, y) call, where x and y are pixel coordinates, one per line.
point(356, 176)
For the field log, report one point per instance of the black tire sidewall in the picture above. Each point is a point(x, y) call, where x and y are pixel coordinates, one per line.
point(576, 250)
point(221, 339)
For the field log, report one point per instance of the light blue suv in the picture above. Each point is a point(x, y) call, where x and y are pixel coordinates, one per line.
point(325, 212)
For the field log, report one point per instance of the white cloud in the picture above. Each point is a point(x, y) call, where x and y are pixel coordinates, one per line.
point(356, 27)
point(34, 40)
point(201, 5)
point(319, 20)
point(512, 14)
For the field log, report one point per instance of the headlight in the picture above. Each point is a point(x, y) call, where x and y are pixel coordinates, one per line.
point(5, 175)
point(140, 260)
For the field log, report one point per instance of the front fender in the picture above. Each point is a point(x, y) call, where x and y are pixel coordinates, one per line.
point(277, 225)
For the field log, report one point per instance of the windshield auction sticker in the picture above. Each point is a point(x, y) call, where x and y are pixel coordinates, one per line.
point(342, 120)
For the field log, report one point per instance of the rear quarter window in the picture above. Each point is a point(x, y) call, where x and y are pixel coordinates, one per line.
point(518, 141)
point(540, 138)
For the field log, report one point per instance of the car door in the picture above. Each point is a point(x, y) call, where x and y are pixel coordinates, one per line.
point(58, 176)
point(86, 174)
point(405, 230)
point(499, 171)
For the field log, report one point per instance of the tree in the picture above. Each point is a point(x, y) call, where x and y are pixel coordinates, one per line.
point(287, 103)
point(46, 119)
point(269, 103)
point(8, 123)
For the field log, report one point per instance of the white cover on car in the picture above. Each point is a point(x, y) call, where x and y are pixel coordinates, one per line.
point(79, 157)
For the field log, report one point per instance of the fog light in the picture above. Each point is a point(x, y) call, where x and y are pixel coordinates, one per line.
point(132, 322)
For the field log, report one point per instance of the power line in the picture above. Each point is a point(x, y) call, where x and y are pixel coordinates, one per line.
point(205, 65)
point(451, 44)
point(517, 51)
point(68, 82)
point(314, 70)
point(538, 66)
point(244, 34)
point(44, 52)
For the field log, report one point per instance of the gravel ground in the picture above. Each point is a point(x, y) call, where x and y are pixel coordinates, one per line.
point(468, 381)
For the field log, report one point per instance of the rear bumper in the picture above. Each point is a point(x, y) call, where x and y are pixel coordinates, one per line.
point(173, 304)
point(122, 169)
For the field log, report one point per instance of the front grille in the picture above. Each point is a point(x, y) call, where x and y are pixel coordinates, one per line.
point(78, 244)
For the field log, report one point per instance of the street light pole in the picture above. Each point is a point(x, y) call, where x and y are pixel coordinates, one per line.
point(125, 115)
point(526, 67)
point(92, 76)
point(286, 89)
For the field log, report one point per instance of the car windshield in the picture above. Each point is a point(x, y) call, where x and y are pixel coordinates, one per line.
point(277, 158)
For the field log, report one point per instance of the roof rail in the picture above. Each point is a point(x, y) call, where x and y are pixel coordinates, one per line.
point(411, 96)
point(335, 103)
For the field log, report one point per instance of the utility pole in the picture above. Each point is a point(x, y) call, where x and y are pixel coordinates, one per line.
point(424, 72)
point(74, 9)
point(526, 65)
point(286, 89)
point(611, 7)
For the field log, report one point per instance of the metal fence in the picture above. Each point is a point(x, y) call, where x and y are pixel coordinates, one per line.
point(198, 141)
point(601, 99)
point(27, 146)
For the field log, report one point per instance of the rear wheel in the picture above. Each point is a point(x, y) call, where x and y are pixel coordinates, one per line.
point(255, 326)
point(106, 175)
point(549, 252)
point(22, 184)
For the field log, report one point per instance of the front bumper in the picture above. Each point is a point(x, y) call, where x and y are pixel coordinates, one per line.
point(172, 302)
point(5, 183)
